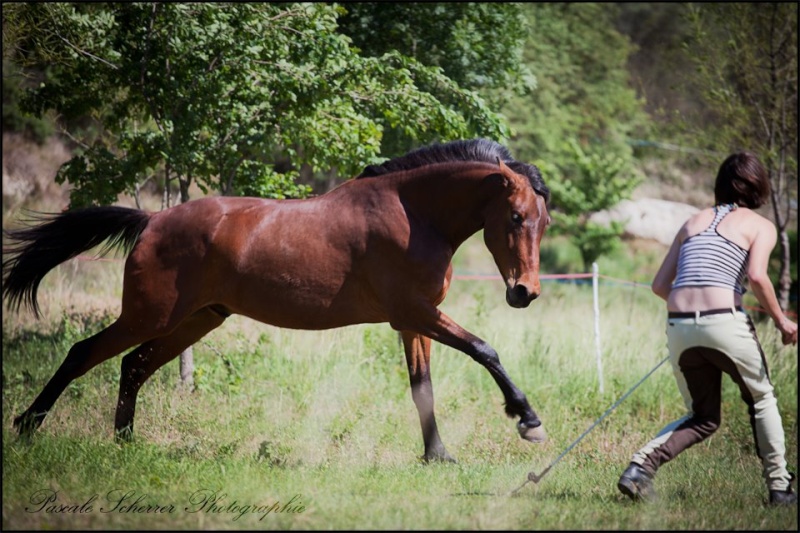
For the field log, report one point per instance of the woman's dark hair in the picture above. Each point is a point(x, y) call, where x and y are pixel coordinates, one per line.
point(742, 180)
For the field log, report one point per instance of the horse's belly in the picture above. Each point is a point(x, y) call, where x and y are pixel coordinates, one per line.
point(312, 318)
point(307, 306)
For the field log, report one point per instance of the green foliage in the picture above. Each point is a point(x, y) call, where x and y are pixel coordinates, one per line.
point(14, 119)
point(215, 93)
point(264, 182)
point(476, 46)
point(583, 86)
point(575, 126)
point(600, 181)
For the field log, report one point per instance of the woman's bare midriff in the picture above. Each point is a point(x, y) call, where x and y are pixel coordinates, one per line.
point(686, 299)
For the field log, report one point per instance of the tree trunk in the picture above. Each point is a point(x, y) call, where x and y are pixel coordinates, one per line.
point(187, 356)
point(187, 368)
point(784, 273)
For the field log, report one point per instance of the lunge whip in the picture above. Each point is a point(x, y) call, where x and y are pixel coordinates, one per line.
point(537, 478)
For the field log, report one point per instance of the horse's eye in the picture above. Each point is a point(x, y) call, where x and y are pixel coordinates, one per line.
point(516, 218)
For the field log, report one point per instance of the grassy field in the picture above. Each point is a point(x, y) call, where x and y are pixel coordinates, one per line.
point(317, 430)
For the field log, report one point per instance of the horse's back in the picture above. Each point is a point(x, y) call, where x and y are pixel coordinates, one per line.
point(291, 263)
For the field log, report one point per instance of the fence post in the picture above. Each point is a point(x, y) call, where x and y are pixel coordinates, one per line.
point(595, 275)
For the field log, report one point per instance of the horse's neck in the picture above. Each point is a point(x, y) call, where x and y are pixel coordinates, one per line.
point(453, 202)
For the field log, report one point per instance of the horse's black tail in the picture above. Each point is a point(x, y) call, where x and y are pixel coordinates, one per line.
point(37, 249)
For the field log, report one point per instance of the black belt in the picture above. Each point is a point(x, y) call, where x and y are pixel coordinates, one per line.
point(692, 314)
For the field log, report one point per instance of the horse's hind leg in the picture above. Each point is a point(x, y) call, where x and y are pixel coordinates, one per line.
point(143, 362)
point(418, 357)
point(82, 357)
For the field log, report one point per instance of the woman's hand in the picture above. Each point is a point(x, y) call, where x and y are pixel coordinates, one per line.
point(788, 331)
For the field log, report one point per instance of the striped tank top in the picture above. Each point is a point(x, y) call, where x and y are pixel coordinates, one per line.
point(710, 260)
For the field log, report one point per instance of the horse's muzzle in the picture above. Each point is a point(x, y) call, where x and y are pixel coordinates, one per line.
point(520, 296)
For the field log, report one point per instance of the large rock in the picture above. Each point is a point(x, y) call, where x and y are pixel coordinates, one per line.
point(648, 218)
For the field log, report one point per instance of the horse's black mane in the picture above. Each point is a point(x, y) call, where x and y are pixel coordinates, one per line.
point(472, 150)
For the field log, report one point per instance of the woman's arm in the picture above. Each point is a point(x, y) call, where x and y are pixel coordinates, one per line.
point(760, 249)
point(662, 283)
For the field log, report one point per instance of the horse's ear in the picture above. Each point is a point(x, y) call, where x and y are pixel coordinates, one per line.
point(503, 168)
point(508, 176)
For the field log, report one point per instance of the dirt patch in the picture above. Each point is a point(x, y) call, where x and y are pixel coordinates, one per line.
point(671, 183)
point(29, 171)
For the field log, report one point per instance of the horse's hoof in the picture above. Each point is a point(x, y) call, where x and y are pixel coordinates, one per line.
point(536, 434)
point(26, 423)
point(124, 435)
point(437, 458)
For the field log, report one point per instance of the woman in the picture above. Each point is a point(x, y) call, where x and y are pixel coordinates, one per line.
point(708, 333)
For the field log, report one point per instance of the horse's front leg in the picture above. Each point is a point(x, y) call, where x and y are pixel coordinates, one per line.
point(418, 358)
point(432, 323)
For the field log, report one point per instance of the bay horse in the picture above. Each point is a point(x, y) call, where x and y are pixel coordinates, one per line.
point(377, 248)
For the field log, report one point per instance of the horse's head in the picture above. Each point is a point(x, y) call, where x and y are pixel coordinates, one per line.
point(514, 222)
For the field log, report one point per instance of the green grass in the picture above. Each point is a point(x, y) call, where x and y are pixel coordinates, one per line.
point(326, 418)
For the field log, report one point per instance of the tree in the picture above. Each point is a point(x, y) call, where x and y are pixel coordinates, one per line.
point(746, 61)
point(576, 125)
point(599, 183)
point(476, 45)
point(212, 92)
